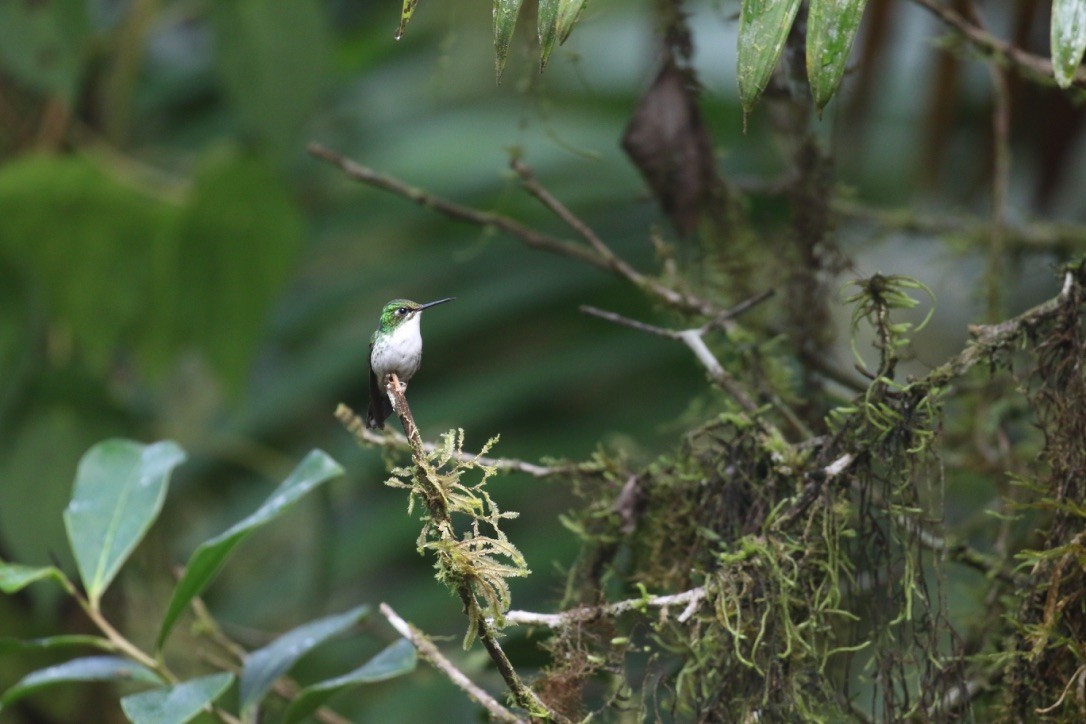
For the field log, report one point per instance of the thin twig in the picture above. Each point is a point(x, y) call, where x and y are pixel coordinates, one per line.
point(690, 600)
point(530, 237)
point(356, 425)
point(694, 339)
point(1021, 60)
point(431, 653)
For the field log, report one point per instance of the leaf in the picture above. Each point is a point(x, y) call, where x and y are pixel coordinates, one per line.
point(405, 16)
point(112, 227)
point(119, 490)
point(763, 28)
point(273, 57)
point(831, 30)
point(395, 660)
point(14, 577)
point(505, 20)
point(8, 646)
point(1068, 39)
point(209, 556)
point(264, 666)
point(547, 22)
point(42, 44)
point(175, 704)
point(91, 668)
point(242, 223)
point(569, 12)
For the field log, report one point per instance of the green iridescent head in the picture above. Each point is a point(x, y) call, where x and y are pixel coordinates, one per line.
point(399, 311)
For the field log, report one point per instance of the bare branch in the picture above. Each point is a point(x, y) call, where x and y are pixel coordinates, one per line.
point(1023, 61)
point(396, 441)
point(528, 236)
point(690, 600)
point(431, 653)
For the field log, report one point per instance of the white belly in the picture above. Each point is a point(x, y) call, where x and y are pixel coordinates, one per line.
point(399, 352)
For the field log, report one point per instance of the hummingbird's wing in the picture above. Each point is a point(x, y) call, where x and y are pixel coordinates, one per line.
point(380, 406)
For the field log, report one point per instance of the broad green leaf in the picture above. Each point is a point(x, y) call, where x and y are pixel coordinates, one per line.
point(395, 660)
point(112, 227)
point(1068, 38)
point(405, 16)
point(547, 22)
point(42, 44)
point(14, 577)
point(831, 29)
point(264, 666)
point(175, 704)
point(763, 28)
point(273, 57)
point(505, 20)
point(241, 222)
point(8, 646)
point(91, 668)
point(569, 11)
point(209, 556)
point(119, 490)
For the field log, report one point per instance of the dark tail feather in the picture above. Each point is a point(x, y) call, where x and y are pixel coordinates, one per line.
point(380, 406)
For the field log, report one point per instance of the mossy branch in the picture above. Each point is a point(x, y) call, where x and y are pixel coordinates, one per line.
point(476, 565)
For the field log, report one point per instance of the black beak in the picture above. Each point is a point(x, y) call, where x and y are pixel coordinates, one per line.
point(434, 304)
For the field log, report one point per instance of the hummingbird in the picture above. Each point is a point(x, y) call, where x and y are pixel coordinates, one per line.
point(395, 348)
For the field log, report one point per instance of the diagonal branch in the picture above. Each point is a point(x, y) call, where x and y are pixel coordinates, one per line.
point(1024, 61)
point(431, 653)
point(487, 219)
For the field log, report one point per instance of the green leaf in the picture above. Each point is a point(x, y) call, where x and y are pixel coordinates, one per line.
point(9, 646)
point(273, 57)
point(210, 555)
point(14, 577)
point(42, 44)
point(1068, 39)
point(264, 666)
point(505, 20)
point(395, 660)
point(831, 30)
point(111, 226)
point(175, 704)
point(91, 668)
point(242, 223)
point(119, 490)
point(547, 22)
point(406, 12)
point(569, 12)
point(763, 28)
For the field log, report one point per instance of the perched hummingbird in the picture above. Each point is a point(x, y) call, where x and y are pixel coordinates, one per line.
point(396, 347)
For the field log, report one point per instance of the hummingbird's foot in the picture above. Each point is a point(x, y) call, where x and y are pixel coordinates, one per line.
point(395, 383)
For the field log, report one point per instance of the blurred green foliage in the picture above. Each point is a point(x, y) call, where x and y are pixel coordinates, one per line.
point(190, 273)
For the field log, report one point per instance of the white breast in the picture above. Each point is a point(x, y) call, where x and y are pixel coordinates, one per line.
point(399, 352)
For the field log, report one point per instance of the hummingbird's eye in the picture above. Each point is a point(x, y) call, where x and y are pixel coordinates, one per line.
point(402, 311)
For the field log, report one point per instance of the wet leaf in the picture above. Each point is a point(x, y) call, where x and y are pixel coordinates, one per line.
point(405, 16)
point(120, 486)
point(264, 666)
point(14, 577)
point(831, 30)
point(91, 668)
point(175, 704)
point(1068, 39)
point(505, 21)
point(569, 12)
point(547, 21)
point(763, 28)
point(396, 660)
point(210, 556)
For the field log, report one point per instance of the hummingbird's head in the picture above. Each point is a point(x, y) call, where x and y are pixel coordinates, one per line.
point(401, 311)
